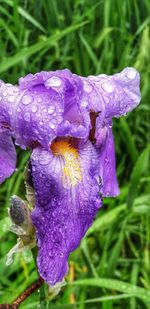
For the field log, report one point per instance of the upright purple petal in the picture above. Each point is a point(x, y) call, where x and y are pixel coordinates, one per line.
point(7, 156)
point(49, 106)
point(39, 112)
point(62, 214)
point(8, 103)
point(120, 92)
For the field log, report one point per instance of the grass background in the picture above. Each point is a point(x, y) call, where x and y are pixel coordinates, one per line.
point(111, 269)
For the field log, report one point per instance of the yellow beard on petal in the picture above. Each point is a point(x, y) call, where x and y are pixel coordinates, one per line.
point(72, 168)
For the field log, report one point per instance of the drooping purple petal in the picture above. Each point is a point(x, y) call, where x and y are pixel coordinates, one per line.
point(107, 166)
point(7, 156)
point(62, 215)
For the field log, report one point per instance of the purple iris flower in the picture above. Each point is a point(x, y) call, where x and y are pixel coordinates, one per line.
point(67, 121)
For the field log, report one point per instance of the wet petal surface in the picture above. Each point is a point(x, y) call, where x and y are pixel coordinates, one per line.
point(7, 156)
point(63, 213)
point(107, 167)
point(120, 92)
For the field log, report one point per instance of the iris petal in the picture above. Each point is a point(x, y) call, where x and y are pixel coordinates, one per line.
point(107, 166)
point(7, 156)
point(62, 215)
point(120, 92)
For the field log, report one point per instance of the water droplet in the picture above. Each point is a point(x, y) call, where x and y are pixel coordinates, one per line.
point(87, 87)
point(11, 99)
point(52, 125)
point(51, 109)
point(15, 89)
point(27, 116)
point(53, 82)
point(84, 103)
point(106, 160)
point(10, 90)
point(60, 109)
point(5, 94)
point(54, 121)
point(108, 87)
point(10, 112)
point(131, 73)
point(34, 109)
point(39, 100)
point(27, 99)
point(59, 119)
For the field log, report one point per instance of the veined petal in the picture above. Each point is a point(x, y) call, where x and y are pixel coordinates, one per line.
point(49, 106)
point(39, 112)
point(107, 166)
point(8, 100)
point(120, 92)
point(63, 213)
point(7, 156)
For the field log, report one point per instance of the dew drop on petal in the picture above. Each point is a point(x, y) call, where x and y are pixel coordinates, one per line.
point(106, 160)
point(10, 112)
point(52, 125)
point(44, 159)
point(39, 100)
point(10, 90)
point(53, 82)
point(5, 94)
point(11, 99)
point(54, 121)
point(16, 90)
point(84, 103)
point(27, 99)
point(27, 116)
point(131, 73)
point(51, 109)
point(87, 87)
point(108, 87)
point(33, 169)
point(34, 109)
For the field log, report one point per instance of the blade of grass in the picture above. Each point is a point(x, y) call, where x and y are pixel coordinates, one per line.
point(28, 51)
point(27, 16)
point(140, 167)
point(116, 285)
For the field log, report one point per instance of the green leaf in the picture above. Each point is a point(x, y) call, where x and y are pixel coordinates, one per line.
point(89, 50)
point(101, 37)
point(141, 167)
point(27, 16)
point(28, 51)
point(106, 219)
point(128, 139)
point(116, 285)
point(4, 226)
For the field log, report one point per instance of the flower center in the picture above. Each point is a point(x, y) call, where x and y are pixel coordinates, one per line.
point(72, 169)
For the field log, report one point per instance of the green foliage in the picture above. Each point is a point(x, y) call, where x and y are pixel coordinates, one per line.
point(112, 266)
